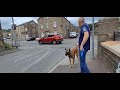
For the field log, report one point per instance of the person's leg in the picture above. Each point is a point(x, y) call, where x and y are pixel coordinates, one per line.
point(70, 62)
point(86, 69)
point(83, 65)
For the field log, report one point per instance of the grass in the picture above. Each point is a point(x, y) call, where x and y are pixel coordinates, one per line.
point(7, 46)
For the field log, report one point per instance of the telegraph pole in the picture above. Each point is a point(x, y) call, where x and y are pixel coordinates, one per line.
point(13, 32)
point(12, 29)
point(93, 38)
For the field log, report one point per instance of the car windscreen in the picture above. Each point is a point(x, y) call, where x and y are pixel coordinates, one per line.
point(50, 35)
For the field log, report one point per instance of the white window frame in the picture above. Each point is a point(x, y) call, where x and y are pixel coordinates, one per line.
point(46, 25)
point(55, 24)
point(41, 26)
point(26, 29)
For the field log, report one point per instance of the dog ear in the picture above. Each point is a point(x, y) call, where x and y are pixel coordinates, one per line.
point(69, 49)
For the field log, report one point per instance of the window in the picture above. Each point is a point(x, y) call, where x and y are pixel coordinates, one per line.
point(26, 29)
point(41, 26)
point(47, 25)
point(55, 25)
point(50, 35)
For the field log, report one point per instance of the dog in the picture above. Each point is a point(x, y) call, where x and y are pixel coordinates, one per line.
point(71, 53)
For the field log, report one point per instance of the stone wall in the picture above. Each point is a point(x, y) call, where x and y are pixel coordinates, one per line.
point(109, 58)
point(106, 55)
point(108, 25)
point(106, 28)
point(101, 38)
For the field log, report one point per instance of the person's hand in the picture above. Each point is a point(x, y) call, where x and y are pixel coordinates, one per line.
point(81, 47)
point(77, 45)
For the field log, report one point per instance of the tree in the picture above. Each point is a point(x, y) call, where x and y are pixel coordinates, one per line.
point(95, 26)
point(90, 26)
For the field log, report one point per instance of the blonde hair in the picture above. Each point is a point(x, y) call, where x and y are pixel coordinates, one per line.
point(81, 19)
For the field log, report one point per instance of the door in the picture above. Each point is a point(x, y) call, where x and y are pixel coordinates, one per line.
point(68, 33)
point(55, 32)
point(42, 34)
point(50, 38)
point(44, 39)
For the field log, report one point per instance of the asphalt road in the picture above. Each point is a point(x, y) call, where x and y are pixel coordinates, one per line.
point(35, 58)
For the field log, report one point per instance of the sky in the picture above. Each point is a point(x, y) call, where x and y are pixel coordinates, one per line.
point(7, 21)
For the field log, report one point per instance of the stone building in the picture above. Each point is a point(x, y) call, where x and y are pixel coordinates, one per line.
point(77, 29)
point(108, 25)
point(27, 29)
point(1, 38)
point(54, 25)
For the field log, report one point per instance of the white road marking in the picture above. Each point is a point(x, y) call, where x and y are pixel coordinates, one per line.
point(17, 56)
point(56, 65)
point(28, 56)
point(36, 61)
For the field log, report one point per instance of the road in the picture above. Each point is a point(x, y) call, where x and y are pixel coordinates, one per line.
point(35, 58)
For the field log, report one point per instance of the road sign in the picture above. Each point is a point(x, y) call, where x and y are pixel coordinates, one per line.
point(13, 26)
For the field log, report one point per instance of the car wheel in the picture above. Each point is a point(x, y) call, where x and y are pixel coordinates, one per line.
point(60, 42)
point(40, 42)
point(54, 42)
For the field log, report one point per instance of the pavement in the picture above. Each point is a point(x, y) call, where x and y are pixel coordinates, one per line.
point(9, 51)
point(95, 66)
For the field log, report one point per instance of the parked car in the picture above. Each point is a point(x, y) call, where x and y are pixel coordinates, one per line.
point(51, 38)
point(31, 38)
point(73, 34)
point(37, 39)
point(77, 34)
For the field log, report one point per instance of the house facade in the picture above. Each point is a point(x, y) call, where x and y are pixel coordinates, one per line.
point(26, 30)
point(54, 25)
point(1, 38)
point(108, 25)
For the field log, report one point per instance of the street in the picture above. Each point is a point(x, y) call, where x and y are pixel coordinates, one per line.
point(35, 58)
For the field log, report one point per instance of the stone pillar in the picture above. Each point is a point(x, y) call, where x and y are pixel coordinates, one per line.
point(101, 38)
point(108, 25)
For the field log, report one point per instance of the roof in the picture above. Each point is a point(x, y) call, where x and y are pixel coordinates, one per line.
point(70, 22)
point(26, 23)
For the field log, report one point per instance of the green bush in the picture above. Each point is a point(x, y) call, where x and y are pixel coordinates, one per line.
point(7, 46)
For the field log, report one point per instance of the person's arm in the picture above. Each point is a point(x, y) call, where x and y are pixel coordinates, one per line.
point(85, 38)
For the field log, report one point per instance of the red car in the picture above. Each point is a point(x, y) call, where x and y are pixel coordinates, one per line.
point(51, 38)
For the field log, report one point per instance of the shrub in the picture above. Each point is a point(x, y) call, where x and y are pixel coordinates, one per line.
point(7, 46)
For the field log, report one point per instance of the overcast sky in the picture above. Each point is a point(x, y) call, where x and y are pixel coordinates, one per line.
point(7, 21)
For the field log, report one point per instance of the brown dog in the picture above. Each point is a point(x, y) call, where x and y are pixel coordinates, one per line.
point(71, 55)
